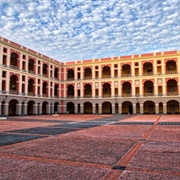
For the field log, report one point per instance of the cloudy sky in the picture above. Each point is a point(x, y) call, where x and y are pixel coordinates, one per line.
point(69, 30)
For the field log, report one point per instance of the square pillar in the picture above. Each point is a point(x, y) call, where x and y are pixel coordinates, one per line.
point(120, 108)
point(141, 109)
point(19, 109)
point(157, 108)
point(100, 108)
point(164, 109)
point(134, 108)
point(94, 108)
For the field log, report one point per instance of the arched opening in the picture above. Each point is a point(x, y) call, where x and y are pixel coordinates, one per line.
point(45, 89)
point(3, 108)
point(87, 73)
point(44, 107)
point(30, 107)
point(31, 87)
point(106, 90)
point(13, 85)
point(147, 69)
point(31, 66)
point(97, 108)
point(149, 107)
point(126, 89)
point(56, 72)
point(126, 70)
point(106, 72)
point(160, 107)
point(87, 108)
point(14, 61)
point(148, 88)
point(172, 107)
point(56, 89)
point(127, 107)
point(172, 87)
point(56, 105)
point(106, 108)
point(13, 107)
point(116, 108)
point(45, 70)
point(87, 91)
point(70, 74)
point(70, 108)
point(70, 91)
point(137, 108)
point(171, 67)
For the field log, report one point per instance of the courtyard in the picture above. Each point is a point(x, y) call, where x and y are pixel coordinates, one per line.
point(72, 146)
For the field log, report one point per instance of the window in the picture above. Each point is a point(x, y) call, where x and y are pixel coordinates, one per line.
point(4, 74)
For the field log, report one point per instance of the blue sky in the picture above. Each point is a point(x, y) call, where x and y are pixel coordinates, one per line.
point(69, 30)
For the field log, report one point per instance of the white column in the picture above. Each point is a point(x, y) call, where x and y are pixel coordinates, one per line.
point(134, 108)
point(94, 108)
point(120, 108)
point(81, 108)
point(141, 109)
point(35, 110)
point(157, 108)
point(164, 109)
point(19, 109)
point(100, 108)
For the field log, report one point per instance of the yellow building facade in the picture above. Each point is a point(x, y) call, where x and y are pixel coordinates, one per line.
point(32, 83)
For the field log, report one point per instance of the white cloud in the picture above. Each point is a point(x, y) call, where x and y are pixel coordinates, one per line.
point(76, 29)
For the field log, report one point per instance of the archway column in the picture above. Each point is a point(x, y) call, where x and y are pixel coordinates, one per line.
point(134, 108)
point(19, 109)
point(48, 109)
point(164, 108)
point(40, 108)
point(25, 109)
point(120, 108)
point(157, 108)
point(35, 109)
point(75, 108)
point(52, 109)
point(141, 109)
point(81, 108)
point(100, 108)
point(113, 108)
point(94, 108)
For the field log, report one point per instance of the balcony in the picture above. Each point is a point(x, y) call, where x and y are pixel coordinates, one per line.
point(88, 77)
point(126, 75)
point(106, 76)
point(31, 94)
point(171, 72)
point(70, 79)
point(31, 72)
point(70, 96)
point(87, 96)
point(45, 95)
point(13, 92)
point(147, 74)
point(172, 93)
point(148, 94)
point(14, 67)
point(126, 95)
point(106, 95)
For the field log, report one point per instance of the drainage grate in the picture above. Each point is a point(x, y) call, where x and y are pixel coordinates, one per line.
point(168, 123)
point(119, 167)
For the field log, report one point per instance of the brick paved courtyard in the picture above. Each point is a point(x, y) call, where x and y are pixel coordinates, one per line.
point(90, 147)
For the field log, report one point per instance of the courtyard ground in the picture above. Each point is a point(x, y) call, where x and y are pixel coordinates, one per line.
point(90, 147)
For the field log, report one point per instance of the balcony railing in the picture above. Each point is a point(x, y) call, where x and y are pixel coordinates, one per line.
point(45, 75)
point(70, 79)
point(148, 94)
point(106, 95)
point(87, 96)
point(106, 76)
point(31, 94)
point(13, 92)
point(45, 95)
point(13, 67)
point(88, 77)
point(31, 71)
point(56, 96)
point(147, 73)
point(172, 93)
point(70, 96)
point(126, 95)
point(126, 75)
point(171, 72)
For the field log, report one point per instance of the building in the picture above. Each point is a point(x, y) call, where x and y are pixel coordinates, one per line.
point(32, 83)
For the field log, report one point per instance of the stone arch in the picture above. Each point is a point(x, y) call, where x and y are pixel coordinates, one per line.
point(45, 69)
point(149, 107)
point(13, 107)
point(44, 107)
point(106, 90)
point(87, 73)
point(45, 89)
point(126, 70)
point(56, 90)
point(106, 72)
point(31, 64)
point(171, 67)
point(127, 107)
point(70, 74)
point(147, 68)
point(172, 87)
point(70, 108)
point(70, 90)
point(172, 107)
point(88, 108)
point(126, 89)
point(88, 90)
point(30, 107)
point(31, 87)
point(106, 108)
point(14, 60)
point(148, 88)
point(13, 88)
point(56, 72)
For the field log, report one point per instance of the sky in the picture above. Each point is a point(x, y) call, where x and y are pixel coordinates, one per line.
point(70, 30)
